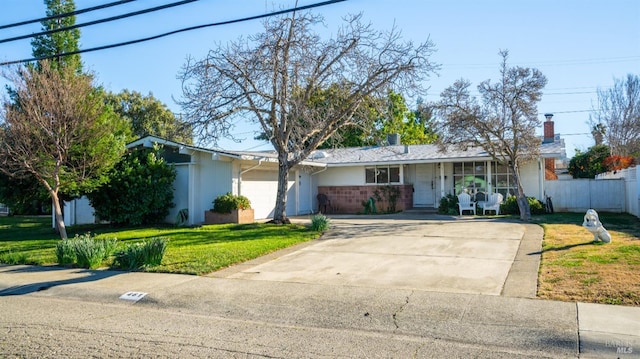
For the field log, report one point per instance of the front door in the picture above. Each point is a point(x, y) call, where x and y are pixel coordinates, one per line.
point(423, 195)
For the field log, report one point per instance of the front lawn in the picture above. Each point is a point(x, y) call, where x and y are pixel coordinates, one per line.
point(574, 268)
point(197, 250)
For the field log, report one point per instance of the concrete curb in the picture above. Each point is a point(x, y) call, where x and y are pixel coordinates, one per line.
point(522, 280)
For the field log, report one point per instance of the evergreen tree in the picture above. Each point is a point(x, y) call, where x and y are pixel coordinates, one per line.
point(54, 44)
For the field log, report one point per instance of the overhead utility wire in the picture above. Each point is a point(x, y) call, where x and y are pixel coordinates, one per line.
point(306, 7)
point(108, 19)
point(71, 13)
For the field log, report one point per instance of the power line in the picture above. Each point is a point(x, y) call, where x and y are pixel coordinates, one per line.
point(108, 19)
point(553, 63)
point(570, 111)
point(66, 14)
point(105, 47)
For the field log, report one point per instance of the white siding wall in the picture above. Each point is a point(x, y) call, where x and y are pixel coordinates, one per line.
point(78, 211)
point(531, 179)
point(180, 192)
point(305, 189)
point(342, 176)
point(212, 178)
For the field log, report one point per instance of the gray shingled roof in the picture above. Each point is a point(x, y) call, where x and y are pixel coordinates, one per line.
point(413, 154)
point(397, 154)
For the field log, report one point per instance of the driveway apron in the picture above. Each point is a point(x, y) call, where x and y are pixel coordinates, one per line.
point(459, 256)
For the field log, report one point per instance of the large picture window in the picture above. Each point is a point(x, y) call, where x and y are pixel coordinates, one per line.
point(382, 174)
point(471, 176)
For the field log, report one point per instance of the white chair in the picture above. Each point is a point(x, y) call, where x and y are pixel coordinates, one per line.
point(465, 204)
point(495, 200)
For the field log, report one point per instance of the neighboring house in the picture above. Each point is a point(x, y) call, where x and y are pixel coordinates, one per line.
point(348, 176)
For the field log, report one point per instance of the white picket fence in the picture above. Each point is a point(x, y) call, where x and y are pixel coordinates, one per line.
point(609, 192)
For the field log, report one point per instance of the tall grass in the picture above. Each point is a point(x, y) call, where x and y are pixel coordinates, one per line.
point(148, 253)
point(85, 251)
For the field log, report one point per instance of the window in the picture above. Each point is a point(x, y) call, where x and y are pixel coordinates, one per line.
point(382, 174)
point(502, 179)
point(470, 176)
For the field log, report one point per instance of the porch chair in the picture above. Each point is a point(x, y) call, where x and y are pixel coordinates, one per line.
point(495, 200)
point(465, 204)
point(323, 202)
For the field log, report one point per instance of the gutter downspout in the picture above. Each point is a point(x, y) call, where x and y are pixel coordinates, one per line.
point(442, 184)
point(542, 170)
point(241, 172)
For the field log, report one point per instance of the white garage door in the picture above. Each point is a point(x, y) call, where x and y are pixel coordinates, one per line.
point(261, 187)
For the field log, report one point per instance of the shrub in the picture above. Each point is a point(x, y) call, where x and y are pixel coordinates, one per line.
point(448, 205)
point(369, 206)
point(143, 254)
point(510, 206)
point(319, 222)
point(139, 191)
point(65, 252)
point(228, 202)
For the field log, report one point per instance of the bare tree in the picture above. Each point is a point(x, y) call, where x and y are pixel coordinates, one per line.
point(619, 113)
point(273, 77)
point(56, 128)
point(503, 122)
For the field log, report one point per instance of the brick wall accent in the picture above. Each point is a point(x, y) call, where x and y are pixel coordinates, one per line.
point(348, 199)
point(548, 132)
point(550, 169)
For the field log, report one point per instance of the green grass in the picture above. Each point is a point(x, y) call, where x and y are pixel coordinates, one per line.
point(197, 250)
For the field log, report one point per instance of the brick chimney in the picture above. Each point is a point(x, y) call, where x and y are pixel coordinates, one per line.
point(549, 132)
point(549, 137)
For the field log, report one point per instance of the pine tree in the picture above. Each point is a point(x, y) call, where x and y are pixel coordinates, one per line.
point(55, 44)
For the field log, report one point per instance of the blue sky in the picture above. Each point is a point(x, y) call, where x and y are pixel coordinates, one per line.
point(579, 45)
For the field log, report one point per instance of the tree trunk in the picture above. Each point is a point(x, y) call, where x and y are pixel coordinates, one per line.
point(280, 212)
point(523, 202)
point(57, 208)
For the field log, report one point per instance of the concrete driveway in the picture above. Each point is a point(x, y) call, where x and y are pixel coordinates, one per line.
point(456, 256)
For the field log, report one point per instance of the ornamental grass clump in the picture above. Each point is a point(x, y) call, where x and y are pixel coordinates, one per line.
point(84, 251)
point(148, 253)
point(65, 252)
point(319, 222)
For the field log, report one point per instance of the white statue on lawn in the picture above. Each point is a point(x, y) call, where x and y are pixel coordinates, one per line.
point(592, 224)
